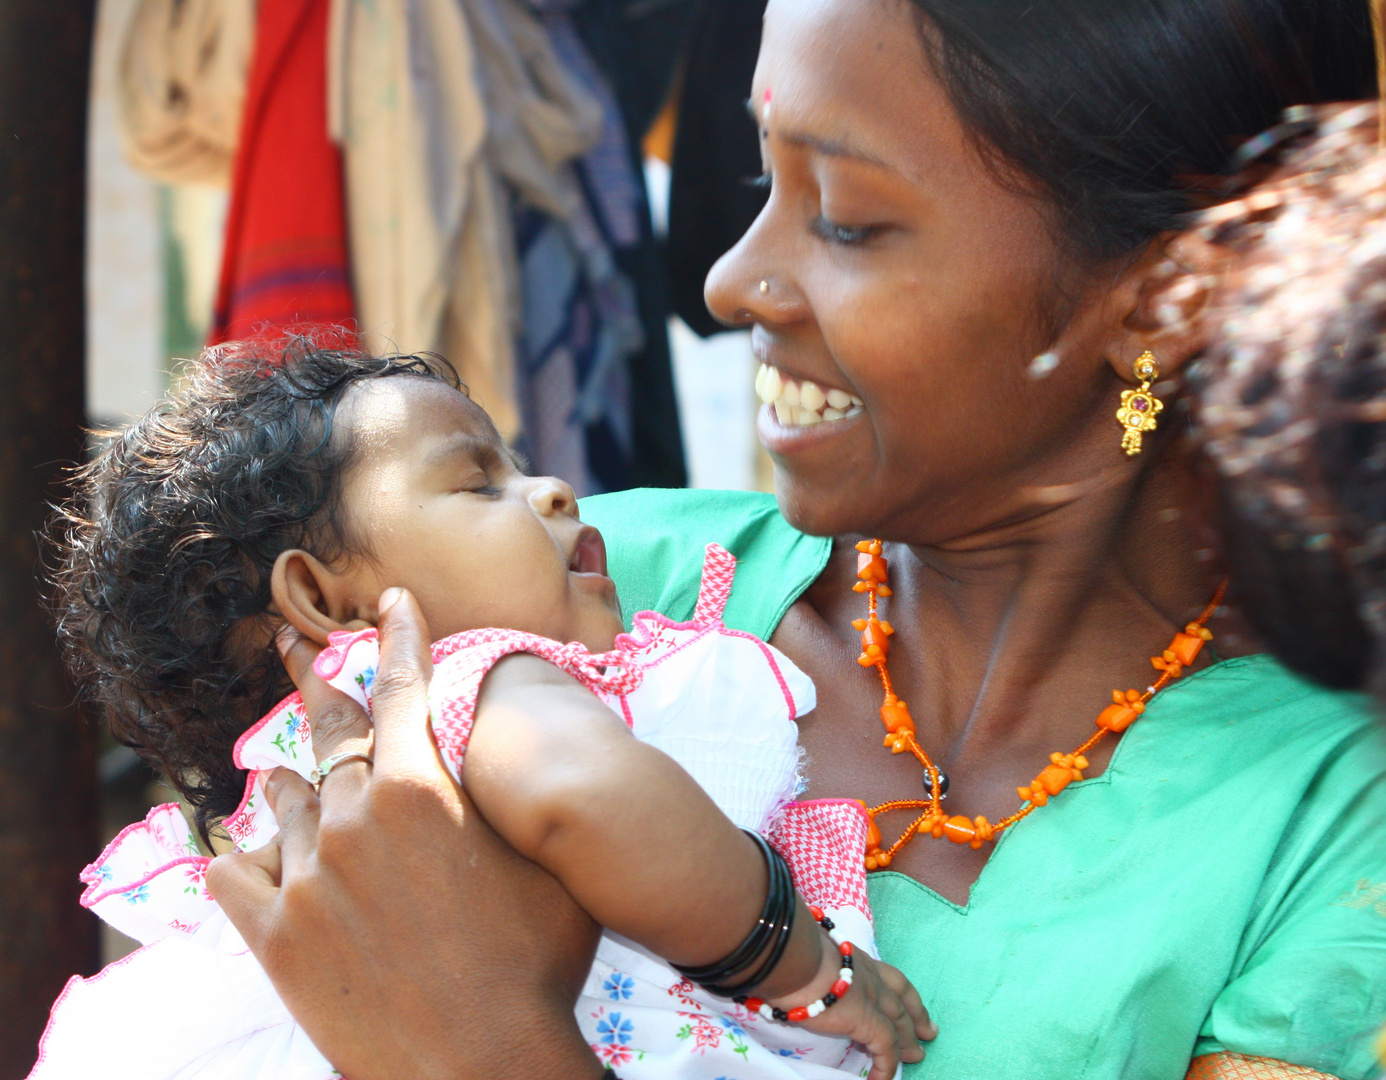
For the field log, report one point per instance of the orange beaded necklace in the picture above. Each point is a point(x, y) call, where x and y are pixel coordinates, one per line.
point(1062, 769)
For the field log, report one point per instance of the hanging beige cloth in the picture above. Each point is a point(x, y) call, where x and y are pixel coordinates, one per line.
point(442, 108)
point(446, 110)
point(182, 87)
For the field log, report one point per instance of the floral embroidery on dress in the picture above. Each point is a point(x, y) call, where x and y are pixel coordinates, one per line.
point(614, 1028)
point(240, 826)
point(614, 1033)
point(296, 731)
point(707, 1033)
point(197, 880)
point(618, 987)
point(138, 895)
point(683, 990)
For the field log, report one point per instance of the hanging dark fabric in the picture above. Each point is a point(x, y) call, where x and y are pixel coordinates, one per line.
point(716, 153)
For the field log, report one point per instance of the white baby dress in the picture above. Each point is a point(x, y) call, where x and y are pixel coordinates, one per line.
point(195, 1003)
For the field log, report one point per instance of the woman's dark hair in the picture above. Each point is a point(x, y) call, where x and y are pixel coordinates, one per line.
point(1122, 111)
point(164, 553)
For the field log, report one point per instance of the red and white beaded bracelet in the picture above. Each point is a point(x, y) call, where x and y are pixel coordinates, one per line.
point(816, 1008)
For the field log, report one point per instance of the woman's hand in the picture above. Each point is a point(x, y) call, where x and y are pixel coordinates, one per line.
point(405, 937)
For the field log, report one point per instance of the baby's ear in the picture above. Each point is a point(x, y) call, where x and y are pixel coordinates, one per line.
point(310, 596)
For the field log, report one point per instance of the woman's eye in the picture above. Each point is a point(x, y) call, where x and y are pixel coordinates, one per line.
point(846, 235)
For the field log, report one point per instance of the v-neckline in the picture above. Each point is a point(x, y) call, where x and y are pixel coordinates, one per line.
point(1105, 778)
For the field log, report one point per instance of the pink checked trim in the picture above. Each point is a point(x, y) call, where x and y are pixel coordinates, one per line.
point(611, 672)
point(641, 637)
point(823, 841)
point(719, 568)
point(719, 571)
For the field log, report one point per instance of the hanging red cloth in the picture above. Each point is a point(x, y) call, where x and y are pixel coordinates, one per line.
point(285, 263)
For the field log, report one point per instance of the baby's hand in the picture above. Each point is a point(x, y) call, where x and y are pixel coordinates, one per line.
point(881, 1011)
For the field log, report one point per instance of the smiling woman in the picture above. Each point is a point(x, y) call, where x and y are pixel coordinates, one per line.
point(955, 280)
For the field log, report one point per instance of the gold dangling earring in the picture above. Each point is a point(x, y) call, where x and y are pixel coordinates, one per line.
point(1140, 408)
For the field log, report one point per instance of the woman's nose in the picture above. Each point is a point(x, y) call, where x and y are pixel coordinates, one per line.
point(549, 495)
point(743, 287)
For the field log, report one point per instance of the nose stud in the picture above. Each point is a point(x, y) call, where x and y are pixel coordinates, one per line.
point(765, 288)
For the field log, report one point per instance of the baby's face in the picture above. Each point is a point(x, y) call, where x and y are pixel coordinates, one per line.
point(445, 512)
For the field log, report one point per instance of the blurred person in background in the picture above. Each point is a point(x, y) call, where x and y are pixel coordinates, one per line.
point(1290, 400)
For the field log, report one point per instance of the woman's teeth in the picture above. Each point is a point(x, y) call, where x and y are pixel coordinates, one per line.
point(801, 404)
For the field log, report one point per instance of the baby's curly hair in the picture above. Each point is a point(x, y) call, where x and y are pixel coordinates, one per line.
point(163, 556)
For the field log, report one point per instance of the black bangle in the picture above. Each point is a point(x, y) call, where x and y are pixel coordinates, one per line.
point(610, 1074)
point(754, 944)
point(789, 905)
point(771, 931)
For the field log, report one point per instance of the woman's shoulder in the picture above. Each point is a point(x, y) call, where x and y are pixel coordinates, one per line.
point(1300, 769)
point(655, 541)
point(1296, 775)
point(1258, 700)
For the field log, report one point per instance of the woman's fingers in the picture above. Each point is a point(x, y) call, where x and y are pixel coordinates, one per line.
point(296, 808)
point(339, 725)
point(297, 652)
point(399, 697)
point(246, 886)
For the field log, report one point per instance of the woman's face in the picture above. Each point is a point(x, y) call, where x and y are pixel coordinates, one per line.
point(904, 273)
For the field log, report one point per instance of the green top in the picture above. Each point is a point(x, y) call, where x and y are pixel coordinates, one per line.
point(1221, 886)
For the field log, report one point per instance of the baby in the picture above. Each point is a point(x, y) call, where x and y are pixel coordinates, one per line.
point(291, 490)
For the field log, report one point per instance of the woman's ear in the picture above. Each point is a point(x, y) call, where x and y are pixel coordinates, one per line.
point(1167, 295)
point(311, 597)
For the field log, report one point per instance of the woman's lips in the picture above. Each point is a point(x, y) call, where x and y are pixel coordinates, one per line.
point(800, 403)
point(782, 439)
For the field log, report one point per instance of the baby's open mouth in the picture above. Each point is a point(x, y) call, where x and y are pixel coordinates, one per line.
point(589, 554)
point(802, 403)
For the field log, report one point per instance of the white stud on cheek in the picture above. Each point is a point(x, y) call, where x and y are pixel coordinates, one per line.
point(1043, 365)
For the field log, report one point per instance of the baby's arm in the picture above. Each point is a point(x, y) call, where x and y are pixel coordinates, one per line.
point(633, 837)
point(641, 846)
